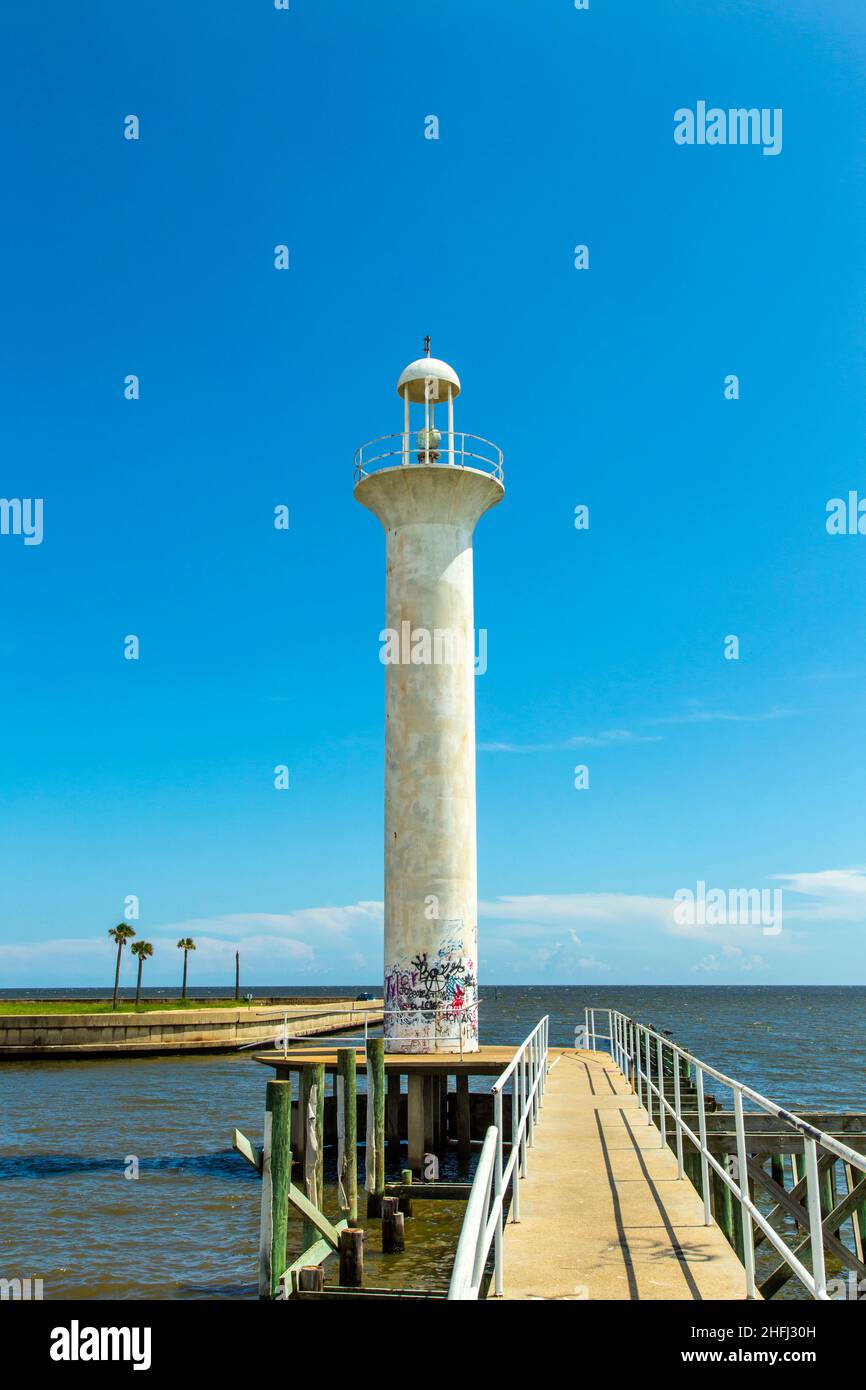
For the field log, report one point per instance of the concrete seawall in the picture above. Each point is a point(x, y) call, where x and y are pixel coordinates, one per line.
point(27, 1036)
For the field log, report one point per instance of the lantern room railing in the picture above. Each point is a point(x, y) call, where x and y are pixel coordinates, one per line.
point(449, 448)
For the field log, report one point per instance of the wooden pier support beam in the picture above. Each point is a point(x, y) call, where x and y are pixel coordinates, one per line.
point(276, 1177)
point(464, 1121)
point(392, 1118)
point(723, 1203)
point(858, 1219)
point(375, 1125)
point(347, 1125)
point(415, 1154)
point(312, 1107)
point(430, 1112)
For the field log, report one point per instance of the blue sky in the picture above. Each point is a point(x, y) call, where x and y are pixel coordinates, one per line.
point(604, 387)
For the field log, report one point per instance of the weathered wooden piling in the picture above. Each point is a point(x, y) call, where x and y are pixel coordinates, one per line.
point(347, 1128)
point(406, 1202)
point(311, 1279)
point(375, 1155)
point(858, 1218)
point(464, 1121)
point(276, 1178)
point(312, 1113)
point(392, 1118)
point(351, 1258)
point(393, 1230)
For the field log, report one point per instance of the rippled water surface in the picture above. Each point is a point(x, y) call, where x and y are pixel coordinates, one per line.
point(187, 1227)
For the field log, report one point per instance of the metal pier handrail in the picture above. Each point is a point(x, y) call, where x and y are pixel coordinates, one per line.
point(483, 1219)
point(632, 1045)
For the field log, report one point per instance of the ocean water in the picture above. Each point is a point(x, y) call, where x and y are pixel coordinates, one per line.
point(187, 1225)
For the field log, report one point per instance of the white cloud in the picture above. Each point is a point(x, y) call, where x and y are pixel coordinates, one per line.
point(699, 716)
point(605, 739)
point(305, 921)
point(731, 956)
point(830, 894)
point(620, 909)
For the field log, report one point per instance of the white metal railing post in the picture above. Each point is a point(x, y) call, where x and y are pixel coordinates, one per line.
point(536, 1057)
point(530, 1082)
point(535, 1061)
point(638, 1063)
point(649, 1084)
point(702, 1133)
point(678, 1113)
point(661, 1093)
point(497, 1193)
point(743, 1185)
point(816, 1220)
point(524, 1070)
point(516, 1107)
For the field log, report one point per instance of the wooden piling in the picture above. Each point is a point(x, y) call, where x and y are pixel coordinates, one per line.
point(393, 1230)
point(376, 1077)
point(415, 1109)
point(692, 1167)
point(351, 1258)
point(464, 1131)
point(392, 1118)
point(858, 1217)
point(312, 1136)
point(311, 1279)
point(723, 1200)
point(443, 1115)
point(406, 1202)
point(348, 1100)
point(828, 1189)
point(276, 1176)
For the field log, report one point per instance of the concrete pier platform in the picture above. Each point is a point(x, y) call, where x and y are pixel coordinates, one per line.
point(603, 1214)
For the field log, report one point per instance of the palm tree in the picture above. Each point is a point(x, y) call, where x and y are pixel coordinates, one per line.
point(142, 949)
point(121, 934)
point(186, 944)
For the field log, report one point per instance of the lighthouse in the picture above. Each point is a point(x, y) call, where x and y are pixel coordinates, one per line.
point(429, 485)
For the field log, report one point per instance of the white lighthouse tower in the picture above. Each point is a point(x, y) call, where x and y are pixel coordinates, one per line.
point(428, 487)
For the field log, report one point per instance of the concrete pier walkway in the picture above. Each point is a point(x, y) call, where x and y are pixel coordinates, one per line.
point(603, 1214)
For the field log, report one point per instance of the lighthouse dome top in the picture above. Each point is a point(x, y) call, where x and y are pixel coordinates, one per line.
point(425, 369)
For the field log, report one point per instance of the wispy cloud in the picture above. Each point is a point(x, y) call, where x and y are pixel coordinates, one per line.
point(609, 738)
point(703, 716)
point(606, 739)
point(828, 894)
